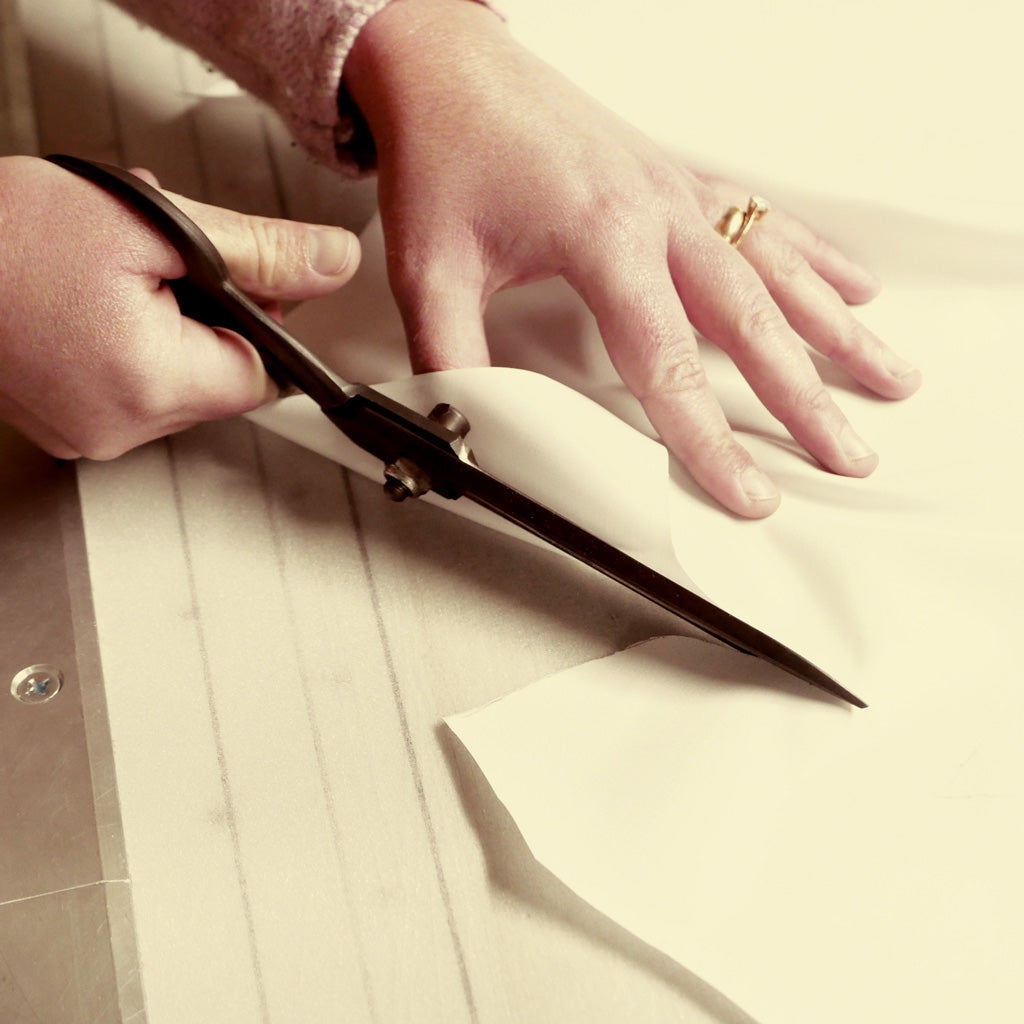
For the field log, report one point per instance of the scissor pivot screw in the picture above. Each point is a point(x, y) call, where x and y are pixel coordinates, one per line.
point(455, 422)
point(447, 416)
point(404, 479)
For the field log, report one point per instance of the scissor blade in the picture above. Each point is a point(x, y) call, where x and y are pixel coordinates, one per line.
point(386, 429)
point(565, 535)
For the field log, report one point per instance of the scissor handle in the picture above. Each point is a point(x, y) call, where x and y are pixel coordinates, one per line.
point(207, 293)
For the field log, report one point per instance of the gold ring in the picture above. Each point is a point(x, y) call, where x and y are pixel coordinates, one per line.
point(735, 223)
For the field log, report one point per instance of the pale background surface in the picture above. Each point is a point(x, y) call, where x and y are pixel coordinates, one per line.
point(279, 645)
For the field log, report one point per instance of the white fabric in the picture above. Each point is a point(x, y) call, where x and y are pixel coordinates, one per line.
point(813, 862)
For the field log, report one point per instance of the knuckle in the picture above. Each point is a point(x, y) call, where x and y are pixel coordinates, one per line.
point(816, 250)
point(274, 249)
point(815, 399)
point(61, 449)
point(278, 251)
point(709, 199)
point(679, 371)
point(622, 219)
point(787, 264)
point(842, 339)
point(98, 445)
point(758, 317)
point(622, 227)
point(419, 264)
point(415, 274)
point(103, 451)
point(421, 290)
point(139, 398)
point(841, 344)
point(140, 390)
point(626, 217)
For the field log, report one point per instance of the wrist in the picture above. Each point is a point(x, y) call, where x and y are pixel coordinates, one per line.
point(403, 53)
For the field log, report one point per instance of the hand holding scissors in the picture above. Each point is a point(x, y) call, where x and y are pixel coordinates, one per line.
point(95, 355)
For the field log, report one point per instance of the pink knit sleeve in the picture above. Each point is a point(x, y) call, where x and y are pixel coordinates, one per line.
point(289, 53)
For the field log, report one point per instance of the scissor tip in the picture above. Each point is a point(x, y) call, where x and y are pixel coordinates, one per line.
point(823, 681)
point(843, 694)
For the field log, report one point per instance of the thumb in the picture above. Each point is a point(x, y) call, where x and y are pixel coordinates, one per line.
point(274, 259)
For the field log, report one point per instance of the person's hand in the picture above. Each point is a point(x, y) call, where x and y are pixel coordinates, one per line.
point(95, 357)
point(494, 170)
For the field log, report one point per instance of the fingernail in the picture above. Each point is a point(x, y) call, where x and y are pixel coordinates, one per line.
point(868, 279)
point(897, 367)
point(757, 486)
point(855, 447)
point(330, 250)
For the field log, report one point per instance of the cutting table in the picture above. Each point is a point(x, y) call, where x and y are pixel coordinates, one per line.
point(241, 804)
point(383, 612)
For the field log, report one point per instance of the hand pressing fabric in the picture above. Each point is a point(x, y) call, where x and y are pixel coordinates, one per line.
point(495, 171)
point(95, 357)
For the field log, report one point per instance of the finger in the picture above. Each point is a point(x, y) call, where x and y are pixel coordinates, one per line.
point(271, 258)
point(202, 374)
point(189, 375)
point(146, 175)
point(441, 308)
point(655, 352)
point(213, 374)
point(853, 283)
point(730, 305)
point(818, 314)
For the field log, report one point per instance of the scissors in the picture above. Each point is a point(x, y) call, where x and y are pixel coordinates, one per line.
point(419, 453)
